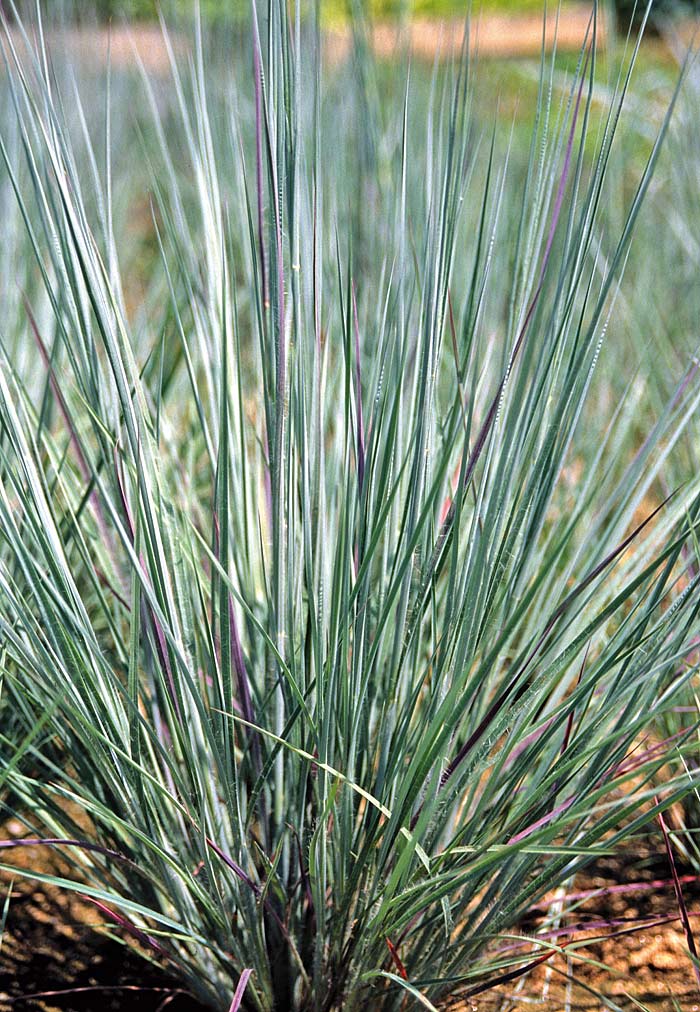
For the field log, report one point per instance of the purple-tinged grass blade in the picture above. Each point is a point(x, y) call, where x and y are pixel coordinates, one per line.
point(57, 841)
point(95, 848)
point(529, 740)
point(622, 889)
point(240, 990)
point(239, 665)
point(682, 909)
point(570, 719)
point(108, 585)
point(635, 759)
point(546, 818)
point(129, 926)
point(267, 480)
point(253, 886)
point(601, 567)
point(236, 648)
point(235, 868)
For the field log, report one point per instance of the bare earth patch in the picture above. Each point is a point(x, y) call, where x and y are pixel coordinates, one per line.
point(121, 46)
point(492, 35)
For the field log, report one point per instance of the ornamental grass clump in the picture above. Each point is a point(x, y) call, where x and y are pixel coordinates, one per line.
point(337, 594)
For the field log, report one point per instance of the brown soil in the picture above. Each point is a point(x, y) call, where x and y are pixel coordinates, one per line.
point(492, 35)
point(122, 46)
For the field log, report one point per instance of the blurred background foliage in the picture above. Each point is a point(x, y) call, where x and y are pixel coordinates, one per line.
point(337, 10)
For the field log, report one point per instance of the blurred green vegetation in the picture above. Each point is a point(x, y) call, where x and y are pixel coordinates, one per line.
point(335, 11)
point(148, 9)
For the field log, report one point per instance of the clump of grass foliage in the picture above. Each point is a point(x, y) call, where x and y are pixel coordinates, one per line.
point(339, 585)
